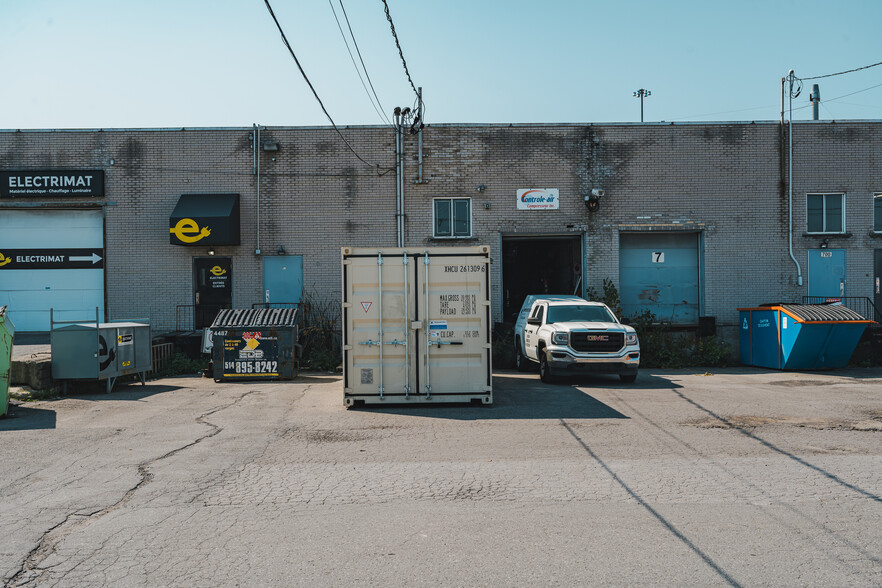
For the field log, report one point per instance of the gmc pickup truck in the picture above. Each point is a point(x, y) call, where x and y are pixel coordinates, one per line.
point(567, 335)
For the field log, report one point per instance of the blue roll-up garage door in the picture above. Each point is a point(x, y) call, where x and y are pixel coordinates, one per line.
point(659, 273)
point(51, 259)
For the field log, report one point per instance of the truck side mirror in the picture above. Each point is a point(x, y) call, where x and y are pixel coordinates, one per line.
point(534, 321)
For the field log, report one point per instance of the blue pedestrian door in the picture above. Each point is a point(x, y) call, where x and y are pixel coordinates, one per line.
point(660, 273)
point(282, 278)
point(826, 273)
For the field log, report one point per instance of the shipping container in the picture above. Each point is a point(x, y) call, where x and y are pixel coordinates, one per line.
point(416, 325)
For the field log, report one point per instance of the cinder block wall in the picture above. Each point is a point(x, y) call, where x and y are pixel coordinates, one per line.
point(723, 180)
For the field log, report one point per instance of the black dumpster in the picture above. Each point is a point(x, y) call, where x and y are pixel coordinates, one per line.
point(255, 344)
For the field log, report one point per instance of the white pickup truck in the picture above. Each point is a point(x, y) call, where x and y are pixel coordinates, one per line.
point(567, 335)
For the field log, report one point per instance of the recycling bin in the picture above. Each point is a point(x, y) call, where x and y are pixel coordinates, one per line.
point(7, 330)
point(250, 344)
point(799, 336)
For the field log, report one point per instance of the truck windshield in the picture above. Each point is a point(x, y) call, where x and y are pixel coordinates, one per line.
point(560, 314)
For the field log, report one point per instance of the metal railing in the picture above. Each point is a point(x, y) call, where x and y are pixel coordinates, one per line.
point(162, 356)
point(860, 304)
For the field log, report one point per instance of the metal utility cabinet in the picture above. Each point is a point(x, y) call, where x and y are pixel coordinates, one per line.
point(416, 325)
point(255, 344)
point(100, 351)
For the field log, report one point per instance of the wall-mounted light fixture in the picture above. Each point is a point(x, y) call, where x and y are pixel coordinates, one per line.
point(270, 145)
point(481, 188)
point(211, 251)
point(281, 250)
point(825, 243)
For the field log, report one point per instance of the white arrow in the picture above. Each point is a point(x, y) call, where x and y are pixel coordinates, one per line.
point(94, 258)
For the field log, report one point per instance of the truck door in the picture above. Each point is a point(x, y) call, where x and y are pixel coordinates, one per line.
point(530, 331)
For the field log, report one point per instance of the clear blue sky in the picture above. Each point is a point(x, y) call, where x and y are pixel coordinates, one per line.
point(198, 63)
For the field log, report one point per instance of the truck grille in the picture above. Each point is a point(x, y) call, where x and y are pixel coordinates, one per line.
point(597, 342)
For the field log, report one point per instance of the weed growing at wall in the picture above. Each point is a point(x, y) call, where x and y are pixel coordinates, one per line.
point(319, 334)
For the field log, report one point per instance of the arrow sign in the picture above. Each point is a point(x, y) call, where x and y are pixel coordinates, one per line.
point(94, 258)
point(41, 259)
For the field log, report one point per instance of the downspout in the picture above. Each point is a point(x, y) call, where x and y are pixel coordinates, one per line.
point(401, 190)
point(790, 178)
point(398, 177)
point(256, 170)
point(420, 131)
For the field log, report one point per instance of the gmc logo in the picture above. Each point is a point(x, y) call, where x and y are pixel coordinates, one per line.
point(597, 338)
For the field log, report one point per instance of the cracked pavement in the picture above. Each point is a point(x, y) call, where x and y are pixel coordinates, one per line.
point(742, 477)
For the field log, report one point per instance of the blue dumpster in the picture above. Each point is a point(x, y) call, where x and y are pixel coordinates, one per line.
point(799, 336)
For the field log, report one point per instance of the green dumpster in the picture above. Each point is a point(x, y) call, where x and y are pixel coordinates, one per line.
point(7, 330)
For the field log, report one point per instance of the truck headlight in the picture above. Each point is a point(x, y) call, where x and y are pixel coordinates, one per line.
point(630, 338)
point(559, 338)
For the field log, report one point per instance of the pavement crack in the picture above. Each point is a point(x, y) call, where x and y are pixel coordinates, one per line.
point(31, 570)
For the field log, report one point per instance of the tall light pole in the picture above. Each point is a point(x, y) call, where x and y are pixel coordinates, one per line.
point(641, 93)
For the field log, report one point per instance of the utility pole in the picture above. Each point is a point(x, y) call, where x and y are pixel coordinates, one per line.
point(641, 93)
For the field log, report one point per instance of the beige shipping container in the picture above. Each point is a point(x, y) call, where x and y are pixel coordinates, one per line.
point(394, 351)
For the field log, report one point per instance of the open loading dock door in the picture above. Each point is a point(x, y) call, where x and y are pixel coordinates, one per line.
point(539, 265)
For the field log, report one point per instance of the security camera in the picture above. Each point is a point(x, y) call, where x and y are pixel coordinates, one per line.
point(597, 192)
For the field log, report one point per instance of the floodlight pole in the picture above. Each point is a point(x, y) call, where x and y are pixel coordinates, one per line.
point(641, 93)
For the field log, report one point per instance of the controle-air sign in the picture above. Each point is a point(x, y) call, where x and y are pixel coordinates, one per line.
point(51, 183)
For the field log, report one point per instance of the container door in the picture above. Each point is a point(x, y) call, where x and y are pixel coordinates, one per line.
point(826, 273)
point(213, 288)
point(379, 293)
point(453, 310)
point(282, 280)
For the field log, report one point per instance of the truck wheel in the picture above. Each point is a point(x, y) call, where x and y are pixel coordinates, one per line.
point(521, 362)
point(628, 378)
point(544, 371)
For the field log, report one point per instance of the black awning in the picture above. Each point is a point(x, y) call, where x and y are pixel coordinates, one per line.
point(205, 219)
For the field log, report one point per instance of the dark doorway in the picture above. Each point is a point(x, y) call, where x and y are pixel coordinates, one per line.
point(213, 288)
point(539, 265)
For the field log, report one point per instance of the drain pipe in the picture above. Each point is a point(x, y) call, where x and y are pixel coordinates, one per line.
point(256, 170)
point(399, 181)
point(791, 77)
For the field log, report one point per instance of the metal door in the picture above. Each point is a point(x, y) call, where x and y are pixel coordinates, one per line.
point(282, 279)
point(453, 302)
point(877, 282)
point(826, 273)
point(212, 288)
point(659, 273)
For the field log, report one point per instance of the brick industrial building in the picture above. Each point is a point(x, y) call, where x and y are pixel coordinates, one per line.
point(688, 220)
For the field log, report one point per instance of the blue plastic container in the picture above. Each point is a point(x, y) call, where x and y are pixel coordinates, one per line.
point(799, 336)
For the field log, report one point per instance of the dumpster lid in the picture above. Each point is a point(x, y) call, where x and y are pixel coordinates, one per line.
point(263, 317)
point(816, 313)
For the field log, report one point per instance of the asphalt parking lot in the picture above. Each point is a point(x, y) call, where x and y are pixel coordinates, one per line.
point(739, 477)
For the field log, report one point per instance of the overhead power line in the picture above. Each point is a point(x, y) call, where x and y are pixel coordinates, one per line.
point(843, 72)
point(376, 105)
point(314, 93)
point(357, 50)
point(400, 52)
